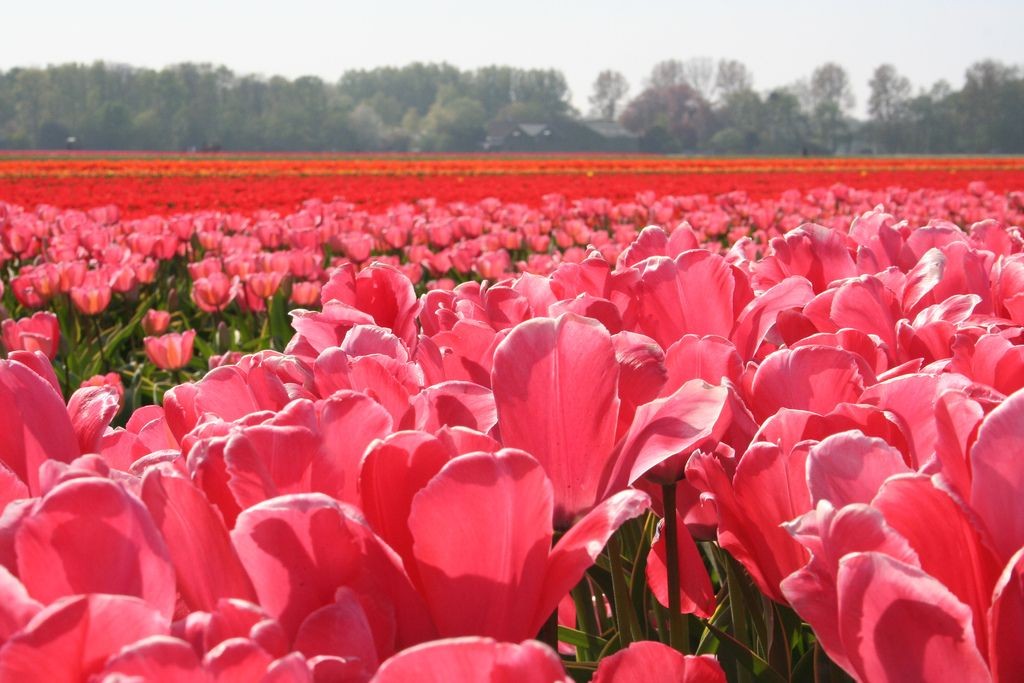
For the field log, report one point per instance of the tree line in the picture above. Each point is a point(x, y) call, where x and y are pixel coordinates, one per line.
point(697, 105)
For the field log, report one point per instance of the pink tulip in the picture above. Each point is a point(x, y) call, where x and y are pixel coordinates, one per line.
point(46, 280)
point(514, 579)
point(262, 285)
point(72, 638)
point(229, 358)
point(171, 351)
point(473, 660)
point(40, 332)
point(123, 280)
point(91, 408)
point(26, 293)
point(91, 299)
point(650, 662)
point(214, 292)
point(697, 293)
point(195, 536)
point(145, 271)
point(380, 291)
point(309, 558)
point(155, 322)
point(37, 426)
point(305, 293)
point(570, 364)
point(133, 561)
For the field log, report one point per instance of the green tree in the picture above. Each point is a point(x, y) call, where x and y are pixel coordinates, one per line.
point(454, 123)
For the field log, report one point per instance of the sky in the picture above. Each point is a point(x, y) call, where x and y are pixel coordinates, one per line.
point(779, 41)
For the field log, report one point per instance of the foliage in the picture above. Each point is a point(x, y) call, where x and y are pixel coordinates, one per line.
point(197, 106)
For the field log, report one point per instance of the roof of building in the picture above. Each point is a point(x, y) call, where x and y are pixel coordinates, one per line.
point(608, 129)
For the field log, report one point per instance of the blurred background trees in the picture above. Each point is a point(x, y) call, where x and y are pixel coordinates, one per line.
point(695, 105)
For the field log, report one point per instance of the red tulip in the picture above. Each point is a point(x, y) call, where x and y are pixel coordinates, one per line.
point(171, 351)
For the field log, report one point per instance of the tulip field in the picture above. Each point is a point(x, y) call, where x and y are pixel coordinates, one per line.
point(458, 419)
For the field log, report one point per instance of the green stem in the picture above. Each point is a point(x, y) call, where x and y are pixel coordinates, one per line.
point(584, 601)
point(549, 631)
point(678, 630)
point(626, 620)
point(99, 339)
point(737, 606)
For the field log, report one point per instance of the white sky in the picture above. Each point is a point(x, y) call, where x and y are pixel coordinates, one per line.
point(780, 41)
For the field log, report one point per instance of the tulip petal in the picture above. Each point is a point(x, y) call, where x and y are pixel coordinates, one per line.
point(1006, 621)
point(696, 595)
point(340, 629)
point(237, 659)
point(72, 638)
point(196, 540)
point(900, 624)
point(555, 386)
point(668, 426)
point(945, 540)
point(577, 550)
point(16, 606)
point(299, 549)
point(813, 378)
point(997, 485)
point(349, 423)
point(829, 535)
point(850, 468)
point(89, 536)
point(650, 662)
point(473, 660)
point(91, 409)
point(394, 471)
point(767, 490)
point(499, 505)
point(454, 404)
point(157, 658)
point(34, 423)
point(758, 317)
point(266, 461)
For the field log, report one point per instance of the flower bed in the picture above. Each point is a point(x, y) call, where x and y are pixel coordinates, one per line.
point(777, 440)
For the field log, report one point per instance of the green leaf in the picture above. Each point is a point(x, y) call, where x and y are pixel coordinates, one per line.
point(571, 636)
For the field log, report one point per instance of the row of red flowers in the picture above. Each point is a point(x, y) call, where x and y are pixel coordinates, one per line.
point(162, 183)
